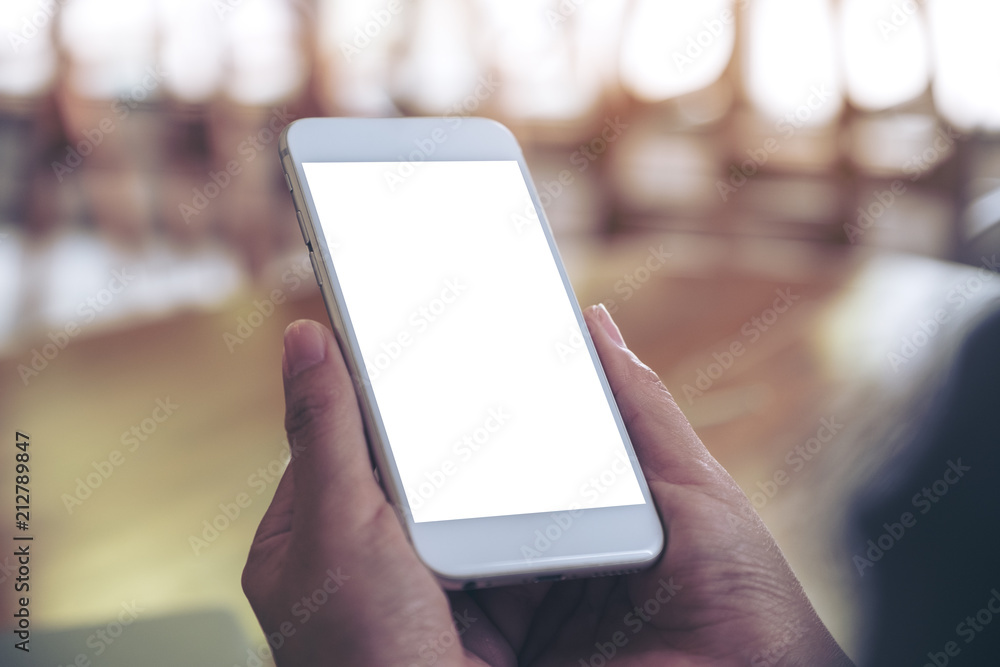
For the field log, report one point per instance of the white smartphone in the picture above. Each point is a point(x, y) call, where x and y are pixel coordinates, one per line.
point(494, 429)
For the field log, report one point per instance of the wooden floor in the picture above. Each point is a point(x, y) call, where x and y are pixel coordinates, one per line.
point(131, 539)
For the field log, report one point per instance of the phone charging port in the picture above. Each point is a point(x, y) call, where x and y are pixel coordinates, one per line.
point(549, 577)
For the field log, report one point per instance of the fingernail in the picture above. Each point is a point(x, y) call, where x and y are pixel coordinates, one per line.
point(305, 346)
point(608, 324)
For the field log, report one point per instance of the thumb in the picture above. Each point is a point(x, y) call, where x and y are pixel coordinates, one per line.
point(392, 608)
point(667, 446)
point(335, 488)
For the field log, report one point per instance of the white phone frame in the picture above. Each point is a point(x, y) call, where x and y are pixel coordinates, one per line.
point(464, 553)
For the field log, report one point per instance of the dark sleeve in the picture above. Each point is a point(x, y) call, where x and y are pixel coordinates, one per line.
point(933, 586)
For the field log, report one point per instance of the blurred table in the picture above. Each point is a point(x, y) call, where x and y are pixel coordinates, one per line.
point(816, 329)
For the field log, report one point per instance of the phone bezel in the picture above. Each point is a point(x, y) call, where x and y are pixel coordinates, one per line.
point(465, 553)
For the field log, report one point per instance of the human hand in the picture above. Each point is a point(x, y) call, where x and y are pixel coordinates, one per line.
point(333, 579)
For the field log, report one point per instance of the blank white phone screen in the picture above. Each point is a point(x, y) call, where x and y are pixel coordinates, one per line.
point(490, 400)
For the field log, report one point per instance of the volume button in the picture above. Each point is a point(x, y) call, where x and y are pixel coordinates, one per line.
point(302, 228)
point(289, 182)
point(312, 260)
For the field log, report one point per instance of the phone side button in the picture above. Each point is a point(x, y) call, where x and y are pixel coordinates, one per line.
point(302, 228)
point(312, 259)
point(289, 182)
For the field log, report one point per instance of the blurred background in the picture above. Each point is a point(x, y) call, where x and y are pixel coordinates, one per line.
point(843, 153)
